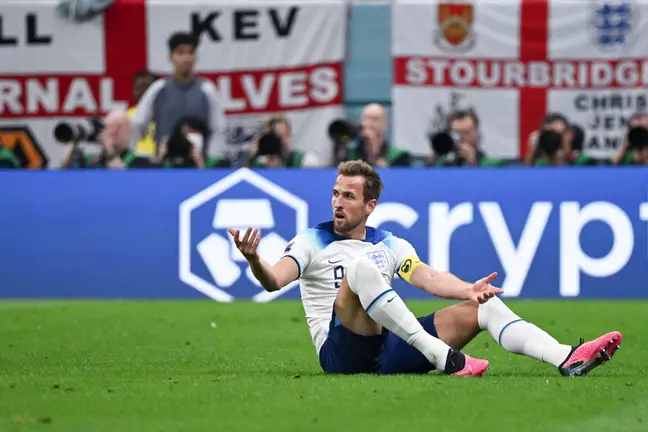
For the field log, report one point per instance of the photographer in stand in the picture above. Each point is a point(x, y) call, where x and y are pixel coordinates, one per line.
point(113, 135)
point(459, 144)
point(555, 122)
point(269, 152)
point(371, 144)
point(186, 147)
point(273, 147)
point(637, 148)
point(549, 149)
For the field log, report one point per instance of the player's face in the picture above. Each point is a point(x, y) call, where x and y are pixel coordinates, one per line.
point(349, 208)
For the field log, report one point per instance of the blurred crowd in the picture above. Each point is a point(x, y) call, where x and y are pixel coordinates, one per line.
point(179, 122)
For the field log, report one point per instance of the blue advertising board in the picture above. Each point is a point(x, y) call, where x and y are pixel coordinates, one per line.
point(550, 233)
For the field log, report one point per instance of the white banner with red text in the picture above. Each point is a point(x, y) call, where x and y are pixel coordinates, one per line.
point(265, 57)
point(514, 61)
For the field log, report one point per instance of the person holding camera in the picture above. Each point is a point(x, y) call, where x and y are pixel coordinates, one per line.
point(558, 143)
point(625, 154)
point(269, 153)
point(273, 149)
point(458, 145)
point(539, 156)
point(114, 140)
point(637, 147)
point(371, 144)
point(185, 147)
point(549, 149)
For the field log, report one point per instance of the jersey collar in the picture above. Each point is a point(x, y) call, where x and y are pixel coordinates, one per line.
point(372, 235)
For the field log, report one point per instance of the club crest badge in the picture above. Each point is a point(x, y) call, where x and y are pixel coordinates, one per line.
point(455, 27)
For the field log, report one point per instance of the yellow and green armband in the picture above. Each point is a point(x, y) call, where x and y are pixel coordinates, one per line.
point(407, 267)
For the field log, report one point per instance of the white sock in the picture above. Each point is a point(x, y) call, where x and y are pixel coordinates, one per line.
point(518, 336)
point(385, 307)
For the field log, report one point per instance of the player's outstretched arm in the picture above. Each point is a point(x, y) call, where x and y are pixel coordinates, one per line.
point(272, 278)
point(446, 285)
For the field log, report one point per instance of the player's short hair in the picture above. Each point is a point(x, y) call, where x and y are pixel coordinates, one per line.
point(373, 185)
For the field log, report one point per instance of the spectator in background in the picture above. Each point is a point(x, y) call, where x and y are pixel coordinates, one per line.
point(372, 145)
point(624, 155)
point(458, 145)
point(114, 141)
point(273, 148)
point(182, 94)
point(141, 82)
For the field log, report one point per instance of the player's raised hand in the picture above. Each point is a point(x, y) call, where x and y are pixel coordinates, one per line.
point(482, 290)
point(248, 244)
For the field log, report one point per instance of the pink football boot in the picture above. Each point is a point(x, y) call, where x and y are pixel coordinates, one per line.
point(473, 368)
point(587, 355)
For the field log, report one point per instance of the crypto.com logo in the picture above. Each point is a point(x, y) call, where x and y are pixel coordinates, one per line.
point(218, 251)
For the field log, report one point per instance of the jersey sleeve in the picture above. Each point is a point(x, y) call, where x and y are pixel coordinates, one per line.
point(406, 258)
point(300, 249)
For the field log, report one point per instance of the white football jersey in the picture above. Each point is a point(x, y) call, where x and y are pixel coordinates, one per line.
point(322, 257)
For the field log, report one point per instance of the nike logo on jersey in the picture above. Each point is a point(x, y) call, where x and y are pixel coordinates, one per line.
point(335, 262)
point(389, 301)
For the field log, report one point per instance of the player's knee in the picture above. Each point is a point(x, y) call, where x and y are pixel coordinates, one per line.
point(362, 270)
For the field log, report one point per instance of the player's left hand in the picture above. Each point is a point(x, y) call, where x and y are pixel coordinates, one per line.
point(482, 290)
point(248, 244)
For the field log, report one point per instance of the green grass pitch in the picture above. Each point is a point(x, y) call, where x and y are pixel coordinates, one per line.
point(163, 366)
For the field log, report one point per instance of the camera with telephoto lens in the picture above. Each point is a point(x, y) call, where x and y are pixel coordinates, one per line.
point(549, 142)
point(269, 147)
point(179, 146)
point(444, 145)
point(179, 151)
point(68, 132)
point(342, 132)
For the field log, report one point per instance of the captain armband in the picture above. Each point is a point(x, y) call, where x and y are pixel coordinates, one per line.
point(407, 267)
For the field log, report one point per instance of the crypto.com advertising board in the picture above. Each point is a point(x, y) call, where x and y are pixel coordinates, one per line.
point(158, 234)
point(264, 56)
point(515, 60)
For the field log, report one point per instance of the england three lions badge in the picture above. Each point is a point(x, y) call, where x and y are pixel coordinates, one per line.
point(379, 258)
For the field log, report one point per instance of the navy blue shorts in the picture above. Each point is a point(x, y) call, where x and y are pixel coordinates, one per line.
point(345, 352)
